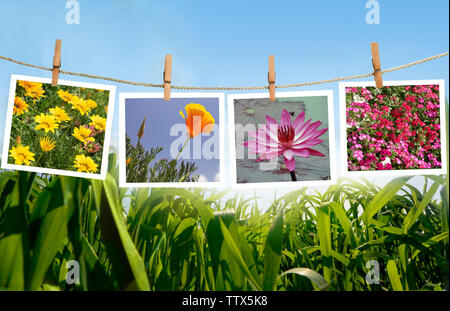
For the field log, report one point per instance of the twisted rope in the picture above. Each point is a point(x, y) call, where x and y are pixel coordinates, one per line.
point(222, 88)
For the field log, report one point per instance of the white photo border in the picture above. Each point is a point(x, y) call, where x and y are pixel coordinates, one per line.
point(391, 173)
point(123, 96)
point(8, 124)
point(331, 133)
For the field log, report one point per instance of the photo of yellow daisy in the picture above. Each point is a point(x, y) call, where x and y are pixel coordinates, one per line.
point(63, 129)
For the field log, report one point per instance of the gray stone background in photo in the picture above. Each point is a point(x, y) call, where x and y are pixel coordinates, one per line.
point(254, 111)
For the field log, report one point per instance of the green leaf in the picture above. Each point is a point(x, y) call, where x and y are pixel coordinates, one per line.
point(383, 197)
point(13, 249)
point(344, 221)
point(214, 236)
point(97, 276)
point(114, 223)
point(236, 254)
point(416, 211)
point(339, 257)
point(272, 252)
point(445, 209)
point(52, 232)
point(311, 275)
point(50, 288)
point(392, 230)
point(324, 233)
point(393, 276)
point(184, 228)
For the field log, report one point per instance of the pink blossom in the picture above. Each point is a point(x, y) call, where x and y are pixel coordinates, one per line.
point(286, 138)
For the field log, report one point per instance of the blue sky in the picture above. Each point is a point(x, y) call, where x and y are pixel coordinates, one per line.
point(222, 42)
point(162, 119)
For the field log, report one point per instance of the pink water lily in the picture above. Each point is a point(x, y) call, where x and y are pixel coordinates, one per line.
point(286, 138)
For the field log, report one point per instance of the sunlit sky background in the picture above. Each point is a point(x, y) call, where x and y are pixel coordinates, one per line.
point(223, 43)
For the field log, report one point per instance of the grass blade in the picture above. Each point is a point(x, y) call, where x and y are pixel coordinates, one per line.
point(113, 223)
point(393, 276)
point(383, 197)
point(236, 253)
point(311, 275)
point(51, 235)
point(272, 252)
point(416, 211)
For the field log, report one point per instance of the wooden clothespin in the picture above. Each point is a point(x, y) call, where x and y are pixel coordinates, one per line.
point(376, 65)
point(167, 77)
point(56, 62)
point(271, 77)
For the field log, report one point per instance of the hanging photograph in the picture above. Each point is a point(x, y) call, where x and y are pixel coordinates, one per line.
point(174, 143)
point(398, 129)
point(289, 141)
point(63, 129)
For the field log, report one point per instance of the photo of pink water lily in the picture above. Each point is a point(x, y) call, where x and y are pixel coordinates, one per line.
point(287, 139)
point(283, 141)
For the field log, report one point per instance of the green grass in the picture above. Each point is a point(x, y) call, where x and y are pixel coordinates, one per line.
point(178, 239)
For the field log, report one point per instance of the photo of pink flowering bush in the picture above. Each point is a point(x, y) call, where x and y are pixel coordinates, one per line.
point(393, 128)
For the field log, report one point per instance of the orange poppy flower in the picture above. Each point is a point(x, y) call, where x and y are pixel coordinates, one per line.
point(198, 120)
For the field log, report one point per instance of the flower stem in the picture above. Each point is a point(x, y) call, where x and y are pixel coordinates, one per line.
point(39, 159)
point(293, 177)
point(184, 145)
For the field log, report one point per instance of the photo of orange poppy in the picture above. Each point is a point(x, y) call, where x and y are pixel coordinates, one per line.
point(171, 143)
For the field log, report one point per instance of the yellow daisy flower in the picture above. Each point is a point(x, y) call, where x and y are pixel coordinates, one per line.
point(82, 134)
point(81, 105)
point(36, 93)
point(59, 114)
point(46, 122)
point(98, 122)
point(66, 96)
point(22, 155)
point(29, 84)
point(85, 164)
point(33, 89)
point(47, 144)
point(20, 106)
point(91, 104)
